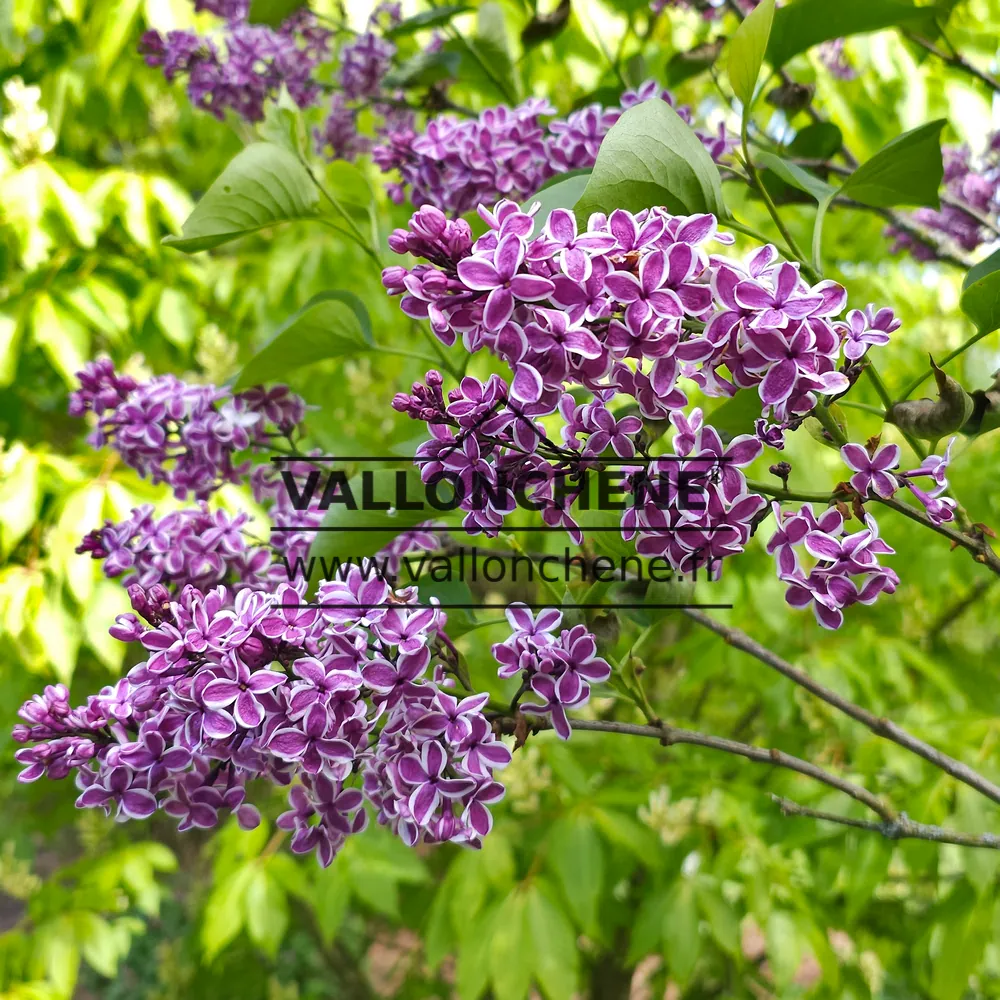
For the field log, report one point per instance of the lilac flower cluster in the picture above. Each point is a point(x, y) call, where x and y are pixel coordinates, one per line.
point(246, 64)
point(179, 433)
point(846, 570)
point(709, 513)
point(873, 476)
point(974, 184)
point(557, 670)
point(570, 306)
point(193, 546)
point(261, 686)
point(457, 164)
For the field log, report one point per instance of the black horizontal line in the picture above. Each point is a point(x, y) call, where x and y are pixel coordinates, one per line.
point(638, 460)
point(537, 528)
point(503, 607)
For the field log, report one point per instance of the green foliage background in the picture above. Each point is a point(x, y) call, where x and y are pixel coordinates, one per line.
point(617, 868)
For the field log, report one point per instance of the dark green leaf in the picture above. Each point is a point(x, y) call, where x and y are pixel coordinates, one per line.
point(262, 185)
point(792, 173)
point(682, 66)
point(981, 294)
point(651, 157)
point(332, 324)
point(801, 25)
point(358, 533)
point(542, 27)
point(746, 52)
point(425, 69)
point(906, 171)
point(432, 18)
point(737, 415)
point(818, 141)
point(722, 919)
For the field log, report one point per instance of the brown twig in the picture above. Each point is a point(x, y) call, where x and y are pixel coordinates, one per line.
point(901, 828)
point(880, 726)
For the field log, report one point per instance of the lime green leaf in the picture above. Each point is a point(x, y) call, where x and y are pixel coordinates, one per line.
point(20, 496)
point(263, 184)
point(267, 912)
point(681, 940)
point(576, 855)
point(792, 173)
point(784, 947)
point(981, 294)
point(331, 895)
point(651, 157)
point(333, 324)
point(804, 23)
point(556, 956)
point(98, 942)
point(906, 171)
point(564, 192)
point(10, 341)
point(746, 52)
point(65, 341)
point(272, 12)
point(737, 415)
point(225, 912)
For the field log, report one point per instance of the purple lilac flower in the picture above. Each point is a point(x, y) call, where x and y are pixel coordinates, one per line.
point(940, 509)
point(973, 182)
point(556, 670)
point(871, 470)
point(845, 568)
point(182, 434)
point(244, 65)
point(242, 687)
point(866, 329)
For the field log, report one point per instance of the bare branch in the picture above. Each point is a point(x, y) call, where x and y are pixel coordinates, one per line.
point(880, 726)
point(902, 828)
point(671, 735)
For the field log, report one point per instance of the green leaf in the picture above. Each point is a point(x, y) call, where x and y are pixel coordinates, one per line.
point(331, 895)
point(556, 956)
point(564, 191)
point(272, 12)
point(225, 911)
point(722, 919)
point(332, 324)
point(801, 25)
point(906, 171)
point(263, 184)
point(356, 533)
point(681, 941)
point(818, 141)
point(510, 961)
point(267, 912)
point(432, 18)
point(473, 968)
point(425, 69)
point(737, 415)
point(746, 52)
point(981, 294)
point(784, 947)
point(651, 157)
point(682, 66)
point(576, 855)
point(792, 173)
